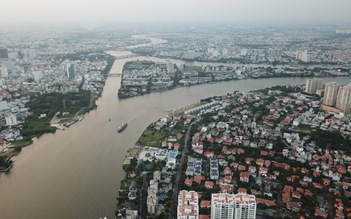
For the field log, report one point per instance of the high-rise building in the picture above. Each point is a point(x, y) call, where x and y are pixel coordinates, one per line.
point(312, 85)
point(11, 120)
point(3, 105)
point(222, 206)
point(188, 205)
point(303, 56)
point(3, 72)
point(70, 71)
point(170, 67)
point(244, 206)
point(330, 94)
point(37, 75)
point(29, 53)
point(243, 52)
point(343, 100)
point(3, 53)
point(151, 200)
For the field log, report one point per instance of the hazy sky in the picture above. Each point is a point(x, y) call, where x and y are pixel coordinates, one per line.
point(174, 11)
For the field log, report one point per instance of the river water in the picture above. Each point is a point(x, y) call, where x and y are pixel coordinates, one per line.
point(76, 173)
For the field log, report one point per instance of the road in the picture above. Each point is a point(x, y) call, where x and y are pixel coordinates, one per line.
point(174, 204)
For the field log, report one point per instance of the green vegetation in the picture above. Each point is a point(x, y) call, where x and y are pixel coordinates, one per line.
point(151, 138)
point(331, 140)
point(192, 68)
point(109, 65)
point(5, 162)
point(304, 128)
point(138, 65)
point(50, 104)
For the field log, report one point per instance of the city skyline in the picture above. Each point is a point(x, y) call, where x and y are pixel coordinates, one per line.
point(107, 12)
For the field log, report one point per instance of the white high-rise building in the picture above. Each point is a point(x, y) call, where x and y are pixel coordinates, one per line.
point(151, 200)
point(303, 56)
point(11, 120)
point(29, 53)
point(312, 85)
point(188, 205)
point(244, 206)
point(3, 105)
point(170, 67)
point(37, 75)
point(330, 94)
point(243, 52)
point(222, 206)
point(343, 101)
point(3, 72)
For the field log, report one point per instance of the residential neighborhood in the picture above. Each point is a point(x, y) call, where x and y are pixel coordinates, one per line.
point(276, 144)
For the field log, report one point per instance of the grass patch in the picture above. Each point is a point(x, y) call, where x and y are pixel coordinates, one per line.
point(304, 128)
point(182, 110)
point(151, 138)
point(22, 143)
point(192, 68)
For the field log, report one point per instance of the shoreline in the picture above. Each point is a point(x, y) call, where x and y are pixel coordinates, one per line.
point(26, 142)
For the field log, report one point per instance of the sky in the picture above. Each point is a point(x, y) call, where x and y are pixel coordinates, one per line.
point(102, 12)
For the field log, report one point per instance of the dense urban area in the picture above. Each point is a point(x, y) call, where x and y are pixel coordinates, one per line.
point(280, 152)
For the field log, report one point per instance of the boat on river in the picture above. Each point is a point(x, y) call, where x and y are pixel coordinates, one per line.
point(122, 127)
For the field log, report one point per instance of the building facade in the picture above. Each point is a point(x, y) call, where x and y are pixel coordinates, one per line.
point(188, 205)
point(343, 101)
point(222, 206)
point(312, 85)
point(3, 53)
point(244, 206)
point(330, 94)
point(70, 71)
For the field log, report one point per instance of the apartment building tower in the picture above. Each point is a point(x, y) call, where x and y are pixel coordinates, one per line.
point(330, 94)
point(244, 206)
point(188, 205)
point(312, 85)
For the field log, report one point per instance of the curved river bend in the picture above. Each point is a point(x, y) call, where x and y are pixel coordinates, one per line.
point(76, 173)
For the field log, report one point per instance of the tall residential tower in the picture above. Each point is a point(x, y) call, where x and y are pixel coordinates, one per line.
point(330, 94)
point(312, 85)
point(244, 206)
point(188, 205)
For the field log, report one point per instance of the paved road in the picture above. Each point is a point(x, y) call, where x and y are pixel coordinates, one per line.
point(174, 204)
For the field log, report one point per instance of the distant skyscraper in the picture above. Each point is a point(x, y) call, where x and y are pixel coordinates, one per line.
point(170, 67)
point(222, 206)
point(3, 72)
point(3, 105)
point(244, 206)
point(303, 56)
point(312, 85)
point(330, 94)
point(70, 71)
point(3, 53)
point(11, 120)
point(188, 205)
point(37, 75)
point(29, 53)
point(343, 101)
point(243, 52)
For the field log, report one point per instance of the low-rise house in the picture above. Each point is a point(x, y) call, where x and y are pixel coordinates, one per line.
point(205, 204)
point(244, 177)
point(321, 213)
point(293, 206)
point(209, 184)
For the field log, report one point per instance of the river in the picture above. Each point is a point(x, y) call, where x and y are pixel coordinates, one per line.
point(76, 173)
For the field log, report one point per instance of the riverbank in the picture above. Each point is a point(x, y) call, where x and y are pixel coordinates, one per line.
point(40, 121)
point(196, 73)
